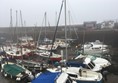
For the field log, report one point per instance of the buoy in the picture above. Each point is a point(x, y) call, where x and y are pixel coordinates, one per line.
point(5, 74)
point(1, 70)
point(11, 76)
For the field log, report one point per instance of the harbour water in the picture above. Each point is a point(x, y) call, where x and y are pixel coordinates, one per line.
point(6, 79)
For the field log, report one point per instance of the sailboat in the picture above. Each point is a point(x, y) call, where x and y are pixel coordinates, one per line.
point(16, 52)
point(46, 55)
point(26, 42)
point(45, 50)
point(61, 43)
point(46, 45)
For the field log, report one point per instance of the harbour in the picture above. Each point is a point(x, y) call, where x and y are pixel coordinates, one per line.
point(111, 77)
point(58, 53)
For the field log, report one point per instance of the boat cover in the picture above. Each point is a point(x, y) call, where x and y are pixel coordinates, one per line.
point(75, 64)
point(13, 69)
point(46, 77)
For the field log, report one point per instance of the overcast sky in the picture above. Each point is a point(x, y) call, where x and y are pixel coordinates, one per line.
point(80, 11)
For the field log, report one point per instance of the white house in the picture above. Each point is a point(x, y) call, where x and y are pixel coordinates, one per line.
point(107, 24)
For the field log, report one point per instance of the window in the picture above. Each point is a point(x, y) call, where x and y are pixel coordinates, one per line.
point(69, 80)
point(91, 65)
point(72, 75)
point(17, 52)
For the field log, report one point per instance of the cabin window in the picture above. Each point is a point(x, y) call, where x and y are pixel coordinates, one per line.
point(72, 75)
point(69, 80)
point(91, 65)
point(17, 52)
point(93, 58)
point(24, 49)
point(80, 72)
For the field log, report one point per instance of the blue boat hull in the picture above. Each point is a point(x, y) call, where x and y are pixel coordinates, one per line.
point(75, 64)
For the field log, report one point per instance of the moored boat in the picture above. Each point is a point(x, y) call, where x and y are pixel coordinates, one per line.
point(52, 56)
point(17, 53)
point(48, 47)
point(95, 47)
point(53, 77)
point(26, 42)
point(90, 62)
point(15, 71)
point(83, 75)
point(32, 65)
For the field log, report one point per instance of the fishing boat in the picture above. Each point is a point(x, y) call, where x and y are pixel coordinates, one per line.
point(53, 77)
point(15, 71)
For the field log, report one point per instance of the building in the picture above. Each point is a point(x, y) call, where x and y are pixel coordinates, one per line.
point(90, 25)
point(107, 25)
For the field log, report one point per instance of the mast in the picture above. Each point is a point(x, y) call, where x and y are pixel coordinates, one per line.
point(21, 23)
point(69, 25)
point(45, 23)
point(11, 24)
point(69, 18)
point(26, 32)
point(56, 28)
point(65, 30)
point(16, 18)
point(21, 18)
point(35, 26)
point(40, 31)
point(83, 41)
point(15, 31)
point(55, 18)
point(21, 32)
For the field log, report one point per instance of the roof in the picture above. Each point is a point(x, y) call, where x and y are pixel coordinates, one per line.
point(72, 70)
point(62, 78)
point(46, 77)
point(87, 60)
point(25, 38)
point(13, 69)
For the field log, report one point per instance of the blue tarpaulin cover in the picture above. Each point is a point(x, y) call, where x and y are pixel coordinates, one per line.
point(46, 77)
